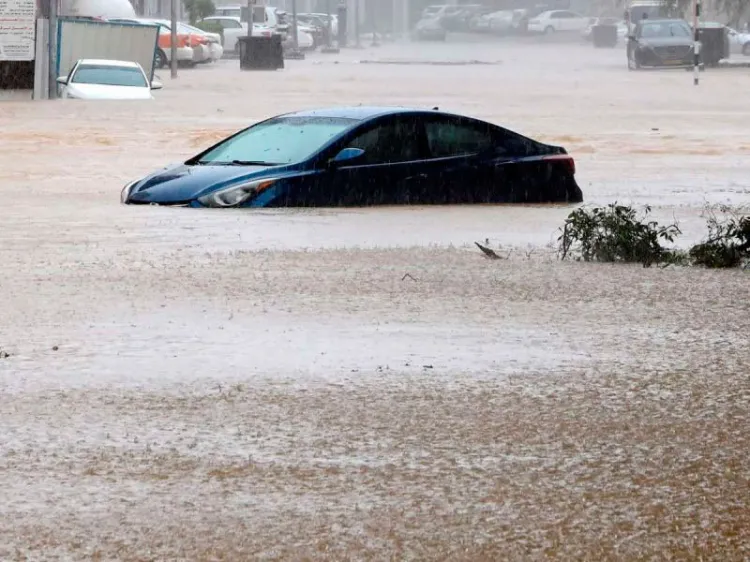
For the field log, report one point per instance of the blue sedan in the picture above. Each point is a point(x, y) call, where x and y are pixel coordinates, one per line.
point(357, 156)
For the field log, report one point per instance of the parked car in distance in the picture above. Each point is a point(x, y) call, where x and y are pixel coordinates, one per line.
point(480, 21)
point(356, 156)
point(458, 19)
point(263, 15)
point(622, 27)
point(186, 55)
point(98, 79)
point(197, 40)
point(334, 19)
point(233, 29)
point(317, 26)
point(429, 29)
point(739, 43)
point(215, 44)
point(660, 43)
point(557, 21)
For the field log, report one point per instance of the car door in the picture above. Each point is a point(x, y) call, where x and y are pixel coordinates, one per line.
point(466, 162)
point(579, 22)
point(387, 173)
point(561, 20)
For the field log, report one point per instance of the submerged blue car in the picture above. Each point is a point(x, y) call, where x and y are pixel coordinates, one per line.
point(357, 156)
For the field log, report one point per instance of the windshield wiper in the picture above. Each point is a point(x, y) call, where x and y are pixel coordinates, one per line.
point(252, 163)
point(232, 163)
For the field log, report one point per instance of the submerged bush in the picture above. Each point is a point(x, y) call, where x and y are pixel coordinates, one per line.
point(616, 233)
point(727, 243)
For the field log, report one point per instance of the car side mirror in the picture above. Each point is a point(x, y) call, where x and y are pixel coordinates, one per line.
point(347, 155)
point(156, 85)
point(62, 80)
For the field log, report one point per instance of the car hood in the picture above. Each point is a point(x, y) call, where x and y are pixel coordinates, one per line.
point(183, 183)
point(666, 41)
point(102, 92)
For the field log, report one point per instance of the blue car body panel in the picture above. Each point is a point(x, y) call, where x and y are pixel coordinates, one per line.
point(494, 178)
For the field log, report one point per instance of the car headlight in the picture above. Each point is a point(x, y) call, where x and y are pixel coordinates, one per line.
point(235, 195)
point(125, 194)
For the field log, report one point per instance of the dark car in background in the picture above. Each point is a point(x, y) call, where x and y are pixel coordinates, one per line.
point(660, 43)
point(357, 156)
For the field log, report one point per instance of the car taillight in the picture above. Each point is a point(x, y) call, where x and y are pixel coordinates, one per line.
point(564, 159)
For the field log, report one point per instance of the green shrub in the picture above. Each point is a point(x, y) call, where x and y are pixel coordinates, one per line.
point(616, 233)
point(727, 243)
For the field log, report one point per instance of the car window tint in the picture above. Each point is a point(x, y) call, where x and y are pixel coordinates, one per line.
point(452, 138)
point(397, 141)
point(109, 76)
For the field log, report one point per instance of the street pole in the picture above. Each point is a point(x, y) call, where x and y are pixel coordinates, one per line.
point(330, 27)
point(173, 39)
point(696, 44)
point(52, 55)
point(249, 19)
point(356, 22)
point(295, 37)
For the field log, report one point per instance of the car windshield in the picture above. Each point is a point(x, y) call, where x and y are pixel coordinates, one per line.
point(662, 29)
point(109, 75)
point(281, 140)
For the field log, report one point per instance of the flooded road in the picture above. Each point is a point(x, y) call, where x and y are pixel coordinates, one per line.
point(361, 383)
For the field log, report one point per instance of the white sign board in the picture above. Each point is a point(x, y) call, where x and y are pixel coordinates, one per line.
point(17, 29)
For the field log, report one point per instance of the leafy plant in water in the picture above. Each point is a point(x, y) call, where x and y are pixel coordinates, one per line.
point(728, 241)
point(616, 233)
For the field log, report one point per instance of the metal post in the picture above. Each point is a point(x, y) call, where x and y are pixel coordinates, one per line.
point(52, 54)
point(329, 48)
point(295, 37)
point(249, 19)
point(356, 22)
point(696, 43)
point(173, 39)
point(328, 24)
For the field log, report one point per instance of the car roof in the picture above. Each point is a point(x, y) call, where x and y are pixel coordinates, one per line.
point(109, 62)
point(361, 112)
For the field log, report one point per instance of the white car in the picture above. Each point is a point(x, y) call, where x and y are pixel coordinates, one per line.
point(739, 43)
point(95, 79)
point(215, 46)
point(622, 27)
point(558, 21)
point(234, 29)
point(324, 19)
point(500, 22)
point(305, 39)
point(197, 41)
point(163, 57)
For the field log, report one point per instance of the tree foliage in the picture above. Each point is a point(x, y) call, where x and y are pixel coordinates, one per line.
point(199, 9)
point(618, 233)
point(615, 233)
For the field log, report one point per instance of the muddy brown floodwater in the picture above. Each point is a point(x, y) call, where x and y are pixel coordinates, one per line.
point(252, 385)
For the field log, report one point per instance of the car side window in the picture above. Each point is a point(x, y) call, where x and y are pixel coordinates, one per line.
point(231, 24)
point(394, 141)
point(453, 138)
